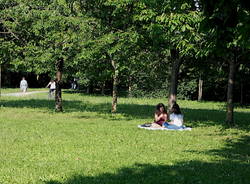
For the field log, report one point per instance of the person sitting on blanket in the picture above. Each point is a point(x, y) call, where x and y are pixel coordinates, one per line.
point(176, 117)
point(161, 116)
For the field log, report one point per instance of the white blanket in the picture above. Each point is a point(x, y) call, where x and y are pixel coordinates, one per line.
point(182, 128)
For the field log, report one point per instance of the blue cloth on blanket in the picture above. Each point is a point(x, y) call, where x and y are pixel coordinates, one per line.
point(169, 126)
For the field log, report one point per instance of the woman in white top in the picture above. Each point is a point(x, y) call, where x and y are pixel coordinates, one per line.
point(176, 117)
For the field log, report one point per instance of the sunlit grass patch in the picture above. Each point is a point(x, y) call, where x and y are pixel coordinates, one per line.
point(17, 90)
point(88, 144)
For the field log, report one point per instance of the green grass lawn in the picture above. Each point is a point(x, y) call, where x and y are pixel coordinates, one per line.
point(17, 90)
point(87, 144)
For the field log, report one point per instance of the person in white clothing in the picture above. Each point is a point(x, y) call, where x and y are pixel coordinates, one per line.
point(23, 85)
point(52, 87)
point(176, 117)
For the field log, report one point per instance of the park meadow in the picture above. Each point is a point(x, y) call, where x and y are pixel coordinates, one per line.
point(98, 68)
point(86, 143)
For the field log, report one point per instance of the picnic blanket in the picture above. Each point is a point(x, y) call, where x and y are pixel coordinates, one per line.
point(182, 128)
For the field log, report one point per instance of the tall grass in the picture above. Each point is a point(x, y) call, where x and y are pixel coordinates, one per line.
point(88, 144)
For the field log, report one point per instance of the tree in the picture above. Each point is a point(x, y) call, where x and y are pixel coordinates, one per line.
point(47, 35)
point(114, 39)
point(10, 41)
point(173, 27)
point(228, 23)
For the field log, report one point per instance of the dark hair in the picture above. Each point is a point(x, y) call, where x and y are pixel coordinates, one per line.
point(176, 109)
point(159, 105)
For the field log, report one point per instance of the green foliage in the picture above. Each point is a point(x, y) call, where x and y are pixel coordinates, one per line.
point(45, 31)
point(187, 89)
point(138, 35)
point(159, 91)
point(228, 23)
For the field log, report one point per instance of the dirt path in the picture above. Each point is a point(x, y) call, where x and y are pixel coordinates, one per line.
point(22, 94)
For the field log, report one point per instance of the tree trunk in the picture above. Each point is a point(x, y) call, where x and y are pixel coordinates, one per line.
point(115, 82)
point(241, 93)
point(129, 91)
point(230, 86)
point(88, 89)
point(58, 94)
point(103, 88)
point(176, 61)
point(200, 89)
point(129, 87)
point(0, 80)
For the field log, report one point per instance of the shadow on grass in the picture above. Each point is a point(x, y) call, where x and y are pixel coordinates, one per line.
point(233, 167)
point(194, 172)
point(208, 117)
point(235, 150)
point(72, 91)
point(129, 110)
point(29, 103)
point(193, 117)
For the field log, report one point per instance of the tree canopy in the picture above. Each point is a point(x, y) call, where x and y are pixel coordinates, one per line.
point(143, 48)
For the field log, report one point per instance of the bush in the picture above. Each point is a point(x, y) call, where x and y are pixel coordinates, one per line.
point(187, 89)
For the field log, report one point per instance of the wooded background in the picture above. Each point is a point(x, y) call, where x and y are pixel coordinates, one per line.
point(185, 49)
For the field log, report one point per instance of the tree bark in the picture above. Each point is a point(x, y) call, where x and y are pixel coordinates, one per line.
point(1, 65)
point(241, 93)
point(58, 94)
point(88, 89)
point(176, 61)
point(115, 82)
point(103, 88)
point(129, 87)
point(200, 89)
point(0, 80)
point(129, 91)
point(230, 86)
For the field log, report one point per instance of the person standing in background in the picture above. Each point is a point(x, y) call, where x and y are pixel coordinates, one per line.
point(52, 88)
point(23, 85)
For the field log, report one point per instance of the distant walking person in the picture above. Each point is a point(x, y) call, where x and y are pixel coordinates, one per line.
point(52, 87)
point(23, 85)
point(74, 84)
